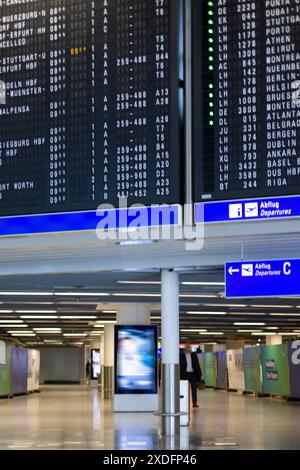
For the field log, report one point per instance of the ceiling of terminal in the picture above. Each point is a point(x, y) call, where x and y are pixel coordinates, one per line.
point(72, 308)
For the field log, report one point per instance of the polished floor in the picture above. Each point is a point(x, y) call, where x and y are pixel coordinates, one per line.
point(73, 417)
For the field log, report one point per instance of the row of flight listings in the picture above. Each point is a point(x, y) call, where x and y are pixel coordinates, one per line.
point(89, 107)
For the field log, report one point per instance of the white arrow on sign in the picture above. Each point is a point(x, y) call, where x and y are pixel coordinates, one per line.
point(231, 270)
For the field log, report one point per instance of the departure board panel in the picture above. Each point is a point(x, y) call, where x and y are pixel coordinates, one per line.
point(247, 98)
point(88, 104)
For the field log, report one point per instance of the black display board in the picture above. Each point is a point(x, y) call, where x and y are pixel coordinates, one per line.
point(91, 109)
point(246, 98)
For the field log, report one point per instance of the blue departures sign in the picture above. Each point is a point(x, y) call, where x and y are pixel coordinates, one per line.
point(262, 278)
point(247, 210)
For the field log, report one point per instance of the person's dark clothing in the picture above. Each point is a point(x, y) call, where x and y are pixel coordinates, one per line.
point(193, 377)
point(88, 370)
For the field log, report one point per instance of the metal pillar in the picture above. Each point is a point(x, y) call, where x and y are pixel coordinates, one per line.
point(108, 368)
point(170, 352)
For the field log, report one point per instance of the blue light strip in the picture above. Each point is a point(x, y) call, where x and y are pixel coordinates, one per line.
point(163, 215)
point(247, 210)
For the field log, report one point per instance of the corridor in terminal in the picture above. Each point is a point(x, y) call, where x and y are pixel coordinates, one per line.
point(75, 417)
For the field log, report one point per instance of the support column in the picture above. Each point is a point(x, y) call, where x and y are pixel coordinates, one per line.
point(108, 367)
point(170, 352)
point(273, 340)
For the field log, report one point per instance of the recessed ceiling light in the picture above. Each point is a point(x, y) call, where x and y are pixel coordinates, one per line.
point(142, 283)
point(206, 313)
point(225, 305)
point(9, 325)
point(11, 321)
point(39, 317)
point(249, 331)
point(36, 311)
point(248, 324)
point(212, 334)
point(272, 306)
point(186, 283)
point(106, 322)
point(198, 296)
point(82, 294)
point(46, 329)
point(193, 331)
point(77, 317)
point(74, 334)
point(263, 333)
point(117, 294)
point(20, 333)
point(26, 293)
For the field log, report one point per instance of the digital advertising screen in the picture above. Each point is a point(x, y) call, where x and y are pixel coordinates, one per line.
point(135, 359)
point(96, 364)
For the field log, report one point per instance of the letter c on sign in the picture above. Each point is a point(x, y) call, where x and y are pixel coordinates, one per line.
point(287, 269)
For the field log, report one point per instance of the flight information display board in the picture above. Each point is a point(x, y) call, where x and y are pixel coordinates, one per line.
point(89, 104)
point(247, 98)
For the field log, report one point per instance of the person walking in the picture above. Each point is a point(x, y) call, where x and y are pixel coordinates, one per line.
point(190, 370)
point(88, 372)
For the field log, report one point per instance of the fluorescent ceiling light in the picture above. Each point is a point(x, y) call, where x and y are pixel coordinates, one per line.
point(74, 334)
point(77, 317)
point(27, 293)
point(11, 321)
point(272, 306)
point(198, 296)
point(249, 324)
point(109, 311)
point(272, 328)
point(48, 332)
point(22, 334)
point(225, 305)
point(288, 334)
point(6, 311)
point(249, 331)
point(142, 283)
point(36, 311)
point(263, 333)
point(106, 322)
point(116, 294)
point(98, 326)
point(206, 313)
point(193, 331)
point(9, 325)
point(82, 294)
point(96, 333)
point(185, 283)
point(39, 317)
point(212, 334)
point(46, 329)
point(248, 314)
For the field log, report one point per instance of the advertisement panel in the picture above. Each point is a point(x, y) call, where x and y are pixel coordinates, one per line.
point(294, 368)
point(96, 364)
point(19, 366)
point(252, 369)
point(33, 371)
point(135, 360)
point(2, 354)
point(221, 370)
point(275, 370)
point(5, 374)
point(235, 366)
point(210, 369)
